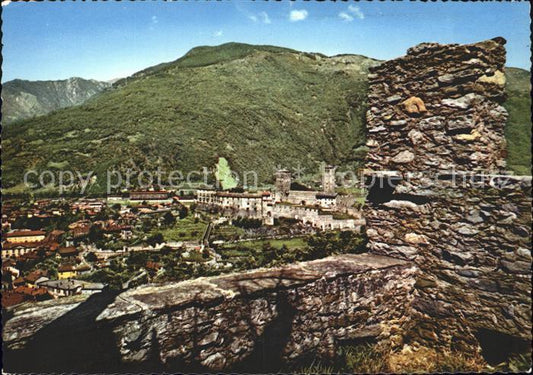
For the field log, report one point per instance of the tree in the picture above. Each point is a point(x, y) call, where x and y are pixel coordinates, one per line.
point(116, 265)
point(91, 257)
point(137, 259)
point(165, 250)
point(155, 239)
point(95, 234)
point(183, 212)
point(168, 219)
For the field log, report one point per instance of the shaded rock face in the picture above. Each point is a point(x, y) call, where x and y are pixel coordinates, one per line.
point(468, 232)
point(254, 321)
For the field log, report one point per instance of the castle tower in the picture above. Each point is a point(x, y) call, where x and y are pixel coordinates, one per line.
point(283, 184)
point(328, 179)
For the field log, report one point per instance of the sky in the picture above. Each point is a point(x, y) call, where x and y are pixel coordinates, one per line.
point(109, 40)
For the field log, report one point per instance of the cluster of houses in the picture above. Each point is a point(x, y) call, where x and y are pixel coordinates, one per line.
point(36, 285)
point(22, 247)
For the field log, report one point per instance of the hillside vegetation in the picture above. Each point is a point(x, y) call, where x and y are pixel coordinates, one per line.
point(23, 99)
point(259, 107)
point(518, 129)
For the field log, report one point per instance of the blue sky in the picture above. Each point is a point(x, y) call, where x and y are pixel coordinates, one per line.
point(106, 40)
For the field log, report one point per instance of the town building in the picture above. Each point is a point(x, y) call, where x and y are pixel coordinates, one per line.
point(321, 209)
point(13, 250)
point(68, 252)
point(66, 271)
point(158, 196)
point(24, 236)
point(62, 288)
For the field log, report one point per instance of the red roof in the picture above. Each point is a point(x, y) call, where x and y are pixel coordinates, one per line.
point(153, 265)
point(68, 251)
point(25, 233)
point(31, 292)
point(26, 290)
point(35, 275)
point(8, 263)
point(65, 268)
point(10, 298)
point(11, 245)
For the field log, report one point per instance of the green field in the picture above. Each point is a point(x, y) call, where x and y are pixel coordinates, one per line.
point(290, 243)
point(184, 230)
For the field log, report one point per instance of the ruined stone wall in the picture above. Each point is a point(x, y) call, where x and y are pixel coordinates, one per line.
point(436, 140)
point(438, 108)
point(473, 246)
point(259, 320)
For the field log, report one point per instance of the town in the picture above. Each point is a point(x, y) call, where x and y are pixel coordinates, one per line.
point(56, 247)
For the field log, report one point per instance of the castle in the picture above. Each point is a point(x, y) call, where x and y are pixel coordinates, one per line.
point(321, 209)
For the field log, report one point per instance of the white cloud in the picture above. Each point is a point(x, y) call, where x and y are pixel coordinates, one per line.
point(5, 2)
point(356, 12)
point(298, 15)
point(154, 20)
point(218, 33)
point(265, 17)
point(345, 16)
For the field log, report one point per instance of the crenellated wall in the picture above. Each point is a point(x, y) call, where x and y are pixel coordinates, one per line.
point(440, 197)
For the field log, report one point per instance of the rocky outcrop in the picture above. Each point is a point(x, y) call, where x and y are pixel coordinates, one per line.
point(260, 319)
point(436, 130)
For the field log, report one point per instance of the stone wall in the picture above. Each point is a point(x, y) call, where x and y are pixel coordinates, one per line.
point(259, 320)
point(472, 244)
point(438, 108)
point(318, 218)
point(436, 141)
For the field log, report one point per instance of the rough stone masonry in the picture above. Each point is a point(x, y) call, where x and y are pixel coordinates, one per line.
point(440, 196)
point(251, 321)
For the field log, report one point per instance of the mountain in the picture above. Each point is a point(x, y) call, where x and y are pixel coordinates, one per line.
point(25, 99)
point(259, 107)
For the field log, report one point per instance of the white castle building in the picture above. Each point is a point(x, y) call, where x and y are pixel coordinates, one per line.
point(317, 208)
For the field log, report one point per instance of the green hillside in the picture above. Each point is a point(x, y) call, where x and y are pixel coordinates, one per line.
point(256, 106)
point(259, 107)
point(518, 129)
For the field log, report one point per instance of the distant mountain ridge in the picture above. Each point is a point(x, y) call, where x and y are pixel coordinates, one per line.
point(259, 107)
point(22, 99)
